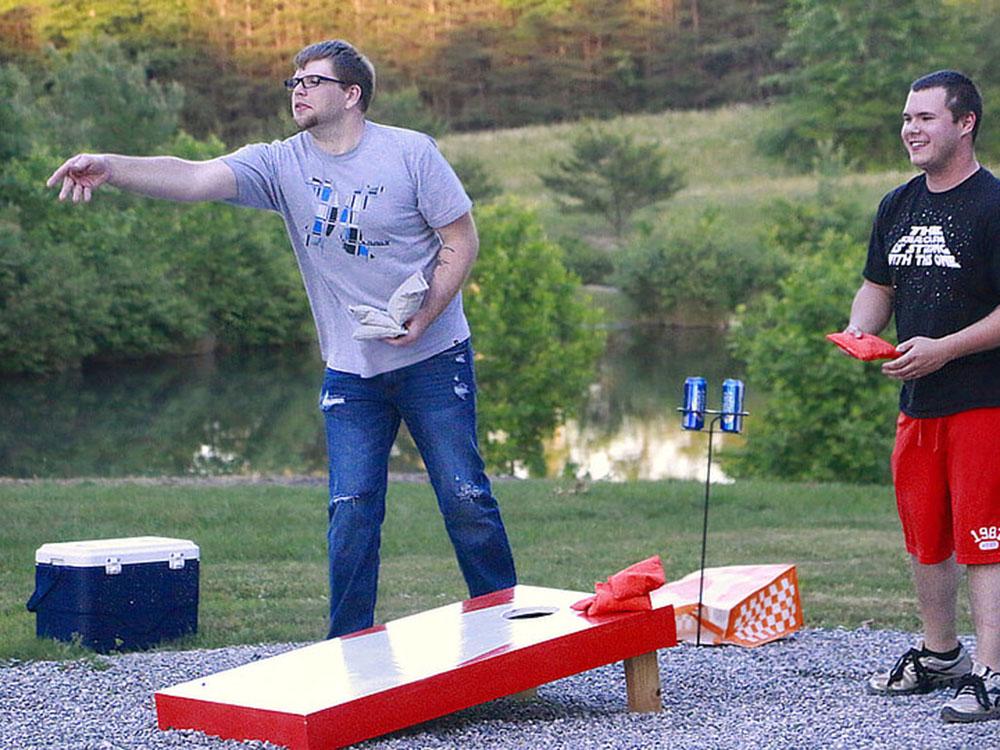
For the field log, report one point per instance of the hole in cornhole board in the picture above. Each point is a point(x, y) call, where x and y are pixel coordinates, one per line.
point(529, 613)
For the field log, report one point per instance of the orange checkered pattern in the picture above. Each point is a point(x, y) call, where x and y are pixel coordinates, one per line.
point(769, 614)
point(744, 605)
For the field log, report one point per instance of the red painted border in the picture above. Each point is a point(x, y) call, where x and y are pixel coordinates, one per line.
point(232, 722)
point(612, 638)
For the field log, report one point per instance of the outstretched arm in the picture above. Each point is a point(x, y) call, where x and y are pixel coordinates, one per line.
point(156, 176)
point(459, 247)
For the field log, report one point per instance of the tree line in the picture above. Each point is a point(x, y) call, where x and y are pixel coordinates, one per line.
point(835, 67)
point(475, 63)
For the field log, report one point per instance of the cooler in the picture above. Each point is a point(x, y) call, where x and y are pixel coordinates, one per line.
point(116, 594)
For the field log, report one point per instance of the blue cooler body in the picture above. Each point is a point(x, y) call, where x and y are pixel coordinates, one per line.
point(116, 594)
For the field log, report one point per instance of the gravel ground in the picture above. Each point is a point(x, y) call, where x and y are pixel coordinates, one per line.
point(805, 692)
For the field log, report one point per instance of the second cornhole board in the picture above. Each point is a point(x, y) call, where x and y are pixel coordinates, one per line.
point(417, 668)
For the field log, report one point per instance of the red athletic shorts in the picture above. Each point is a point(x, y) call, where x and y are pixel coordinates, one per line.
point(947, 476)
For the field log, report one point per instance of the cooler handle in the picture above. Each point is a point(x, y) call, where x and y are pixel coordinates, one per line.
point(45, 581)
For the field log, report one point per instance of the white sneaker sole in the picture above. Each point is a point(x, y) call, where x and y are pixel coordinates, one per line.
point(950, 682)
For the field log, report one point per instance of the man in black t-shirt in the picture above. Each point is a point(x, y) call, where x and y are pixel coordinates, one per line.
point(934, 263)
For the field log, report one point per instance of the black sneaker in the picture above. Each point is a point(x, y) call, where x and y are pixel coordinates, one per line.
point(977, 697)
point(918, 672)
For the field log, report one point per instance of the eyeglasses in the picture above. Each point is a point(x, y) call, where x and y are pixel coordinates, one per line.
point(311, 82)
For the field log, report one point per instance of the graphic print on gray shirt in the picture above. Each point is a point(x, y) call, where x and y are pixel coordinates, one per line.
point(360, 224)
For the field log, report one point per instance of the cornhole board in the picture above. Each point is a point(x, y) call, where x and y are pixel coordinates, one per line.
point(417, 668)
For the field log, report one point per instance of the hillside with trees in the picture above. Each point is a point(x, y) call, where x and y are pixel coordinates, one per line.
point(475, 63)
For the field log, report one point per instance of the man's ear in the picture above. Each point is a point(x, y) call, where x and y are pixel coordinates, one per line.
point(353, 96)
point(968, 122)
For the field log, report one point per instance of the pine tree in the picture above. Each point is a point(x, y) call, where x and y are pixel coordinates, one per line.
point(610, 173)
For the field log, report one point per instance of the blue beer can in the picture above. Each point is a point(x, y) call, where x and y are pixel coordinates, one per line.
point(732, 405)
point(695, 396)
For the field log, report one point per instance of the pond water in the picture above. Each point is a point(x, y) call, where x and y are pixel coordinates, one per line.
point(256, 413)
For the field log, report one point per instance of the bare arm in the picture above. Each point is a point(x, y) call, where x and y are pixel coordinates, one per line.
point(459, 248)
point(156, 176)
point(871, 309)
point(922, 355)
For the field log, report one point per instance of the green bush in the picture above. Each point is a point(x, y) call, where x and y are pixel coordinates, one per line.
point(98, 98)
point(827, 417)
point(237, 264)
point(592, 264)
point(536, 339)
point(696, 266)
point(800, 227)
point(851, 64)
point(142, 277)
point(17, 116)
point(240, 272)
point(128, 297)
point(982, 53)
point(481, 186)
point(47, 305)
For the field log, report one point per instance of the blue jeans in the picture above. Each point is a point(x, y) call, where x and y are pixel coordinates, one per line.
point(437, 400)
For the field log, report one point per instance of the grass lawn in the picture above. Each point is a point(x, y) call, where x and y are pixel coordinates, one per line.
point(263, 574)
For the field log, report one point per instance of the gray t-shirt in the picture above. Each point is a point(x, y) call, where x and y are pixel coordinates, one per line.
point(361, 224)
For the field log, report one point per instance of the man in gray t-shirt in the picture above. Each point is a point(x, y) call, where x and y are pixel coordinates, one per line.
point(361, 223)
point(382, 231)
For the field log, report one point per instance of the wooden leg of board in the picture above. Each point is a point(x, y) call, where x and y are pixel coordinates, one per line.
point(642, 683)
point(526, 695)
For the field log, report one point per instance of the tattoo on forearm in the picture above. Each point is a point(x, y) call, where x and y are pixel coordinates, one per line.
point(442, 258)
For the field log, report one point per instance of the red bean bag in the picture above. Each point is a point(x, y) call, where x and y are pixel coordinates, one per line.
point(866, 348)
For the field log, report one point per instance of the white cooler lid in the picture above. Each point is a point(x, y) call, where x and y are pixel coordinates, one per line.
point(136, 549)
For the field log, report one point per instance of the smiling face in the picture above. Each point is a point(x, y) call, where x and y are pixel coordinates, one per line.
point(933, 138)
point(325, 104)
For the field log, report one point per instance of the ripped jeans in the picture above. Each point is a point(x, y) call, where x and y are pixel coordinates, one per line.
point(437, 400)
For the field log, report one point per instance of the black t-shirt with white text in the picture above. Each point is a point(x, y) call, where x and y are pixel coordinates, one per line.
point(941, 254)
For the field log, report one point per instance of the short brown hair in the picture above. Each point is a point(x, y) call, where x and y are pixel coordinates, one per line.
point(349, 65)
point(961, 94)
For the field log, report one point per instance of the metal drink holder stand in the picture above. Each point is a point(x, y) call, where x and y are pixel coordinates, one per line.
point(716, 416)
